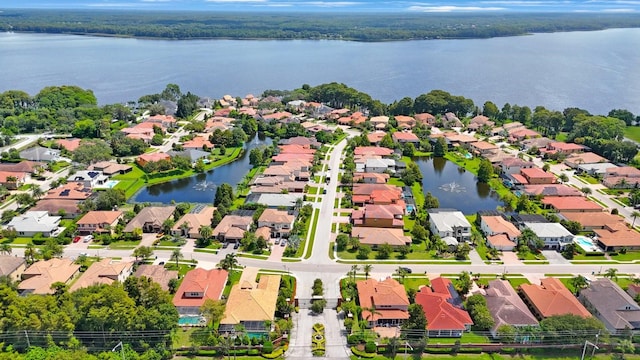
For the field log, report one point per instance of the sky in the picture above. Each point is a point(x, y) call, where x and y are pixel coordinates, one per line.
point(460, 6)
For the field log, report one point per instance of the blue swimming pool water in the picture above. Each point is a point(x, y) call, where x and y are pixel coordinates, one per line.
point(110, 183)
point(190, 320)
point(585, 243)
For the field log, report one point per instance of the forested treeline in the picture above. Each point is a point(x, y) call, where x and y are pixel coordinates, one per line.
point(358, 27)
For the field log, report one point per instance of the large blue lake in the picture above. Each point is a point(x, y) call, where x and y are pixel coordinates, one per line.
point(597, 71)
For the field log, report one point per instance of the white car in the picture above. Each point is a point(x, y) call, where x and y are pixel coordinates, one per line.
point(87, 238)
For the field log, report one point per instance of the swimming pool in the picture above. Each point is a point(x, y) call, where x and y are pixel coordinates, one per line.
point(191, 320)
point(586, 243)
point(109, 184)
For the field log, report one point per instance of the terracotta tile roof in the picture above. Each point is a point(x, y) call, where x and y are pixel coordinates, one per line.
point(623, 171)
point(105, 271)
point(425, 118)
point(520, 179)
point(100, 217)
point(376, 136)
point(438, 308)
point(150, 214)
point(208, 283)
point(276, 216)
point(500, 240)
point(569, 203)
point(152, 157)
point(499, 225)
point(536, 173)
point(264, 231)
point(53, 206)
point(23, 166)
point(157, 273)
point(9, 264)
point(232, 221)
point(405, 136)
point(483, 145)
point(20, 176)
point(195, 221)
point(251, 301)
point(39, 277)
point(521, 133)
point(617, 235)
point(377, 294)
point(296, 149)
point(551, 297)
point(592, 219)
point(585, 158)
point(372, 150)
point(563, 146)
point(380, 236)
point(69, 144)
point(551, 190)
point(277, 115)
point(378, 178)
point(514, 161)
point(69, 191)
point(198, 142)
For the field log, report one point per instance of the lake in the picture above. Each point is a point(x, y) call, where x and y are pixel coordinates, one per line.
point(202, 187)
point(597, 71)
point(455, 187)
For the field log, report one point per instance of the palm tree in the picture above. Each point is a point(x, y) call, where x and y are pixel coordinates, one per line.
point(205, 231)
point(36, 191)
point(367, 270)
point(611, 273)
point(401, 273)
point(354, 270)
point(30, 253)
point(184, 228)
point(634, 215)
point(176, 255)
point(229, 262)
point(586, 190)
point(5, 249)
point(578, 282)
point(372, 312)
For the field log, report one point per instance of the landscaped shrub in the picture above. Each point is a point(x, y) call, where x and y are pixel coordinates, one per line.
point(354, 339)
point(273, 355)
point(370, 347)
point(267, 347)
point(362, 354)
point(253, 352)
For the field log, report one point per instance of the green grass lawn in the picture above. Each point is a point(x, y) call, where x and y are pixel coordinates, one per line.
point(588, 179)
point(17, 241)
point(630, 255)
point(312, 236)
point(632, 132)
point(415, 282)
point(515, 282)
point(124, 244)
point(467, 338)
point(182, 268)
point(419, 253)
point(182, 337)
point(313, 190)
point(530, 256)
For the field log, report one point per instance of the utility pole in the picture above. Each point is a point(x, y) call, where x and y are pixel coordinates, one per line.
point(584, 348)
point(121, 349)
point(26, 334)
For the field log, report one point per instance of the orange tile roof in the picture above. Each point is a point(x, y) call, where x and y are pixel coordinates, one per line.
point(551, 298)
point(617, 235)
point(152, 157)
point(198, 142)
point(20, 176)
point(208, 282)
point(483, 145)
point(69, 144)
point(563, 146)
point(500, 240)
point(380, 236)
point(389, 292)
point(568, 203)
point(372, 150)
point(376, 136)
point(100, 217)
point(592, 219)
point(405, 136)
point(536, 173)
point(441, 314)
point(69, 191)
point(500, 225)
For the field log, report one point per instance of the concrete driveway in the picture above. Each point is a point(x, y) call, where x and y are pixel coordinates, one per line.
point(300, 345)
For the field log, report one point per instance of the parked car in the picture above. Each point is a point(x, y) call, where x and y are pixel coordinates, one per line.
point(277, 242)
point(236, 246)
point(225, 245)
point(76, 239)
point(406, 269)
point(283, 243)
point(88, 238)
point(161, 263)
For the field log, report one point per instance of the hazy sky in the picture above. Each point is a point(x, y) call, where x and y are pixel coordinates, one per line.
point(607, 6)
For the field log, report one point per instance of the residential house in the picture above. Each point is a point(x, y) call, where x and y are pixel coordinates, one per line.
point(404, 137)
point(449, 222)
point(106, 271)
point(622, 177)
point(554, 235)
point(150, 219)
point(520, 220)
point(616, 236)
point(370, 178)
point(480, 121)
point(443, 309)
point(492, 225)
point(39, 153)
point(13, 180)
point(198, 286)
point(535, 143)
point(379, 122)
point(143, 131)
point(506, 307)
point(387, 297)
point(551, 298)
point(110, 168)
point(405, 122)
point(143, 159)
point(570, 204)
point(69, 191)
point(563, 148)
point(164, 121)
point(593, 220)
point(387, 216)
point(189, 225)
point(24, 166)
point(450, 120)
point(372, 150)
point(576, 159)
point(99, 222)
point(89, 179)
point(379, 166)
point(157, 273)
point(68, 144)
point(374, 237)
point(35, 222)
point(198, 143)
point(618, 311)
point(67, 209)
point(425, 119)
point(512, 126)
point(376, 194)
point(251, 304)
point(39, 277)
point(596, 170)
point(376, 137)
point(192, 154)
point(307, 142)
point(633, 290)
point(280, 222)
point(276, 201)
point(232, 228)
point(537, 176)
point(12, 267)
point(483, 148)
point(553, 190)
point(513, 165)
point(521, 134)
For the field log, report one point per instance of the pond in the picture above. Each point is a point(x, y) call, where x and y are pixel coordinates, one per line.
point(455, 187)
point(201, 188)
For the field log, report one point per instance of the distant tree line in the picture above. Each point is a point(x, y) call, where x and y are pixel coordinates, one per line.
point(358, 27)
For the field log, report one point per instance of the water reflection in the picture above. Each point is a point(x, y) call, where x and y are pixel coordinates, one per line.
point(445, 180)
point(191, 189)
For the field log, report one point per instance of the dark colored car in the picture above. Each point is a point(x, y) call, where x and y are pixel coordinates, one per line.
point(406, 269)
